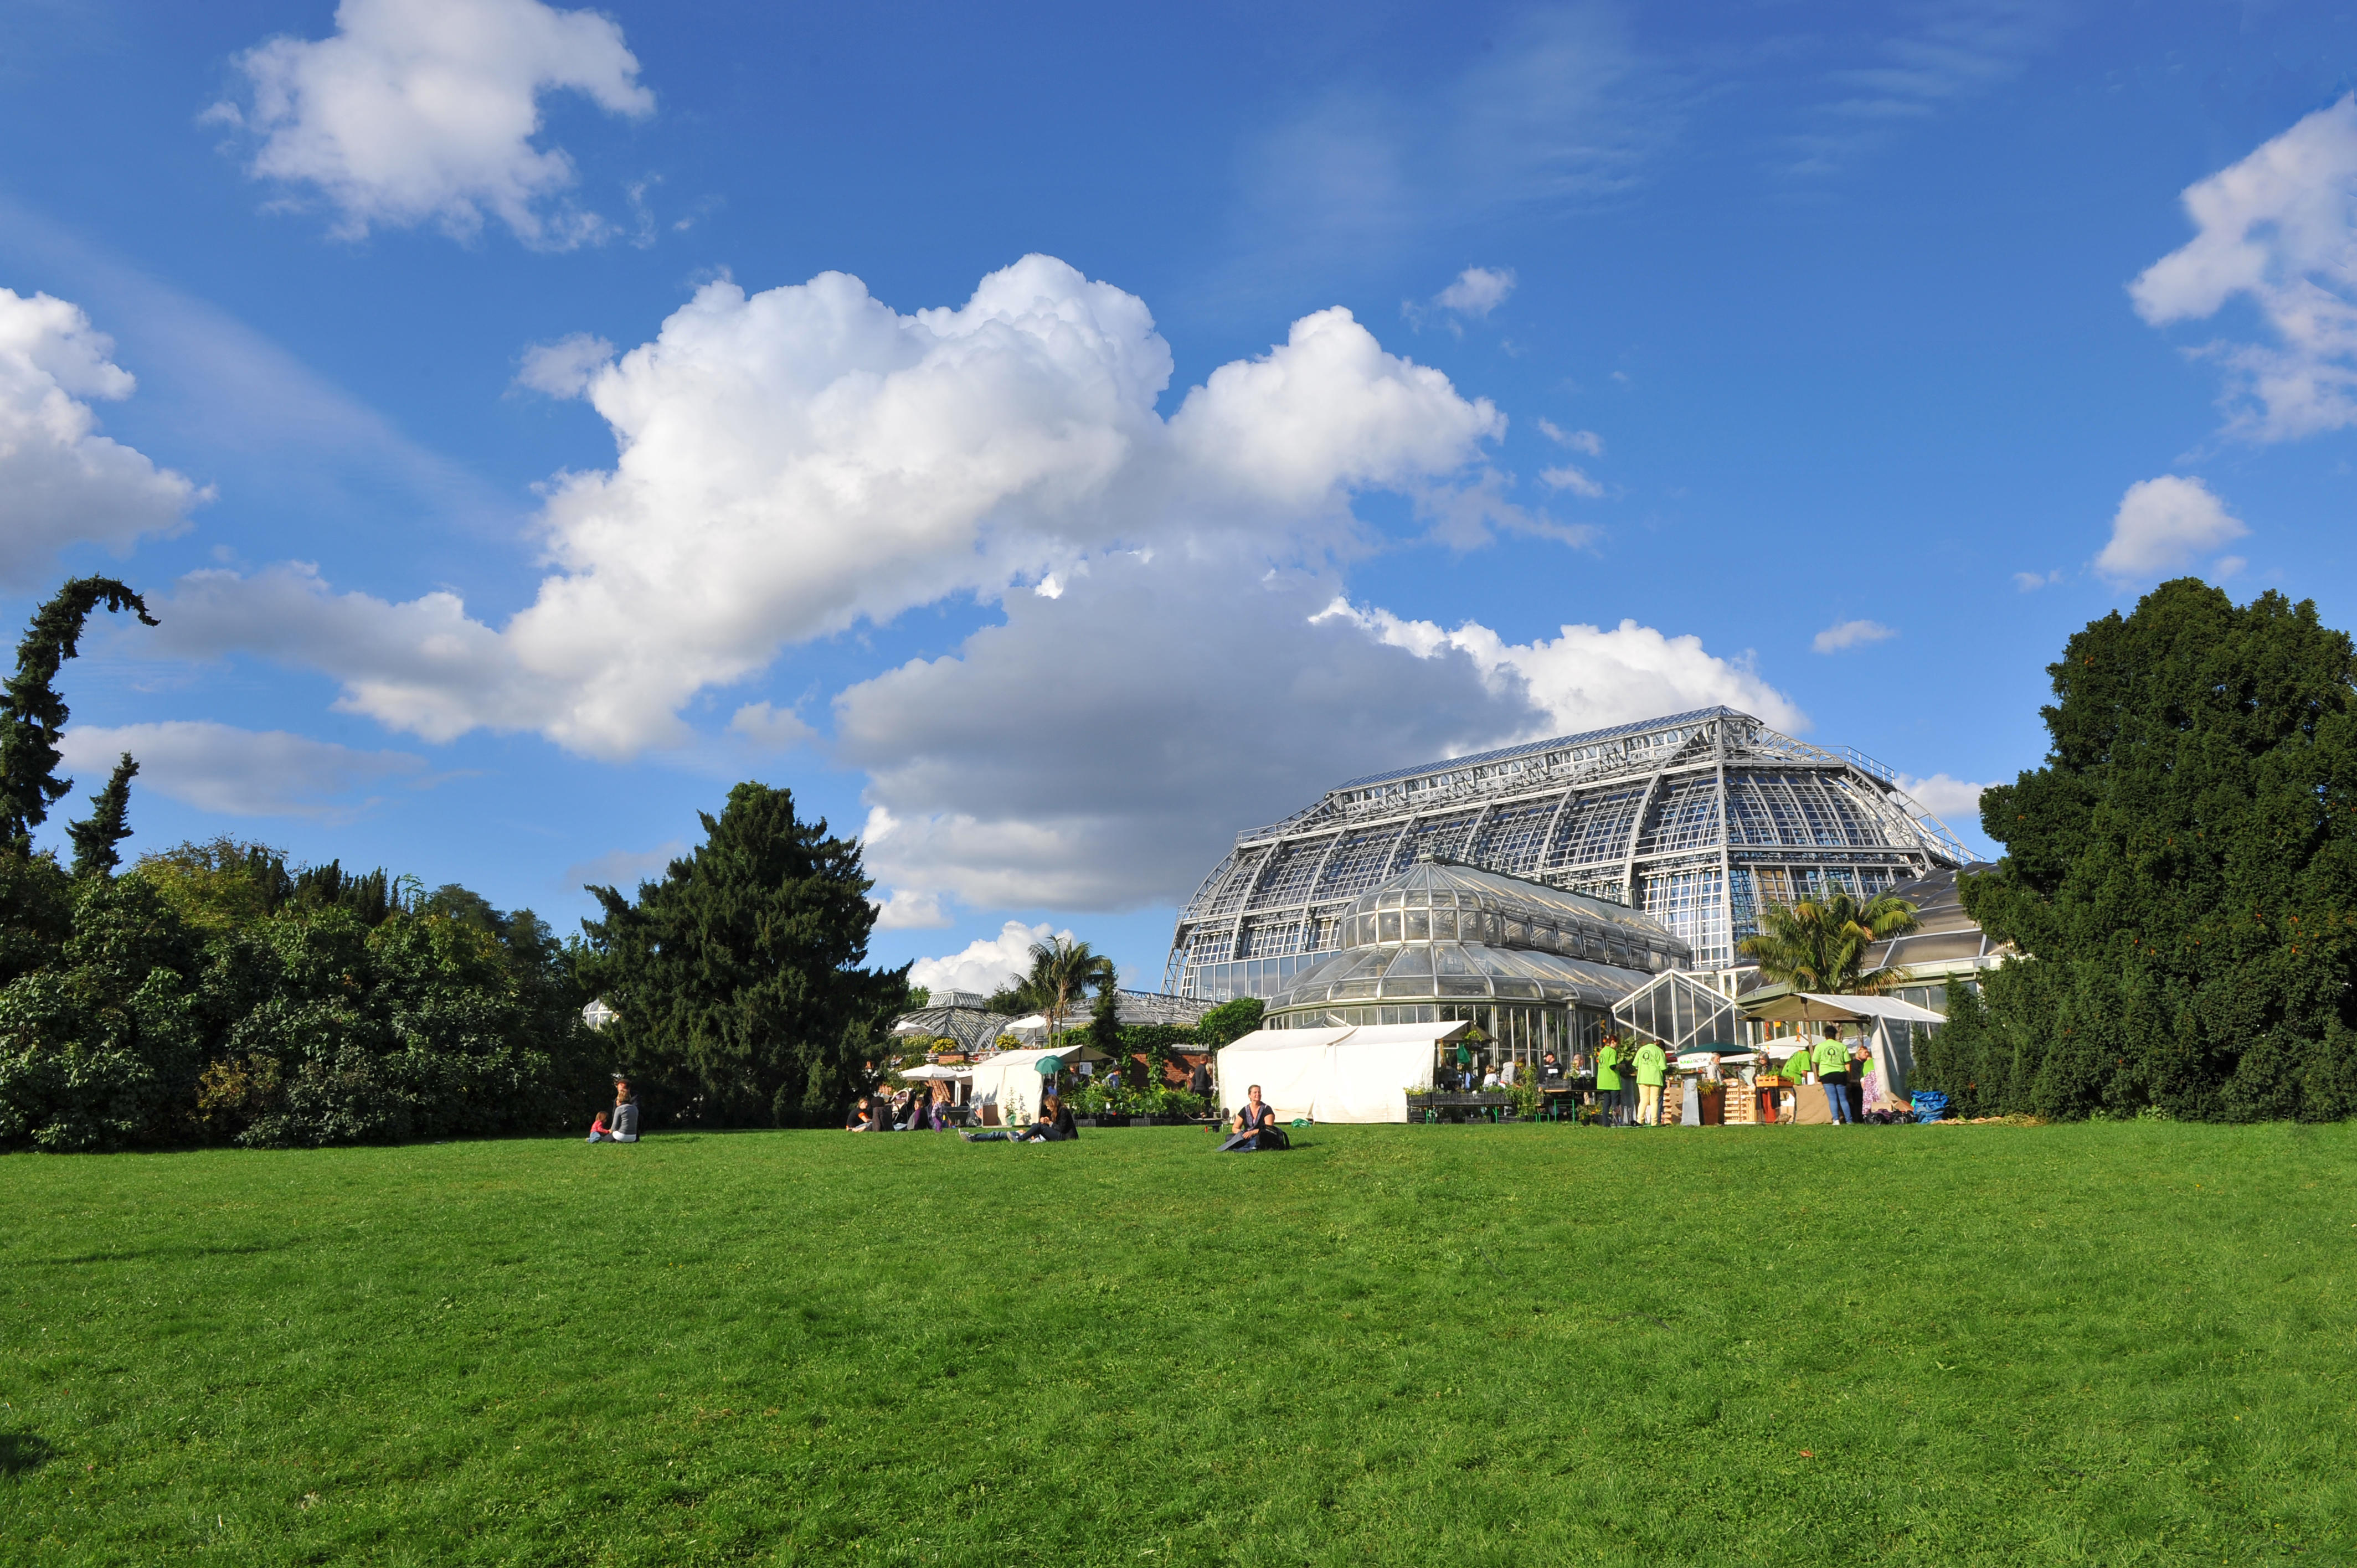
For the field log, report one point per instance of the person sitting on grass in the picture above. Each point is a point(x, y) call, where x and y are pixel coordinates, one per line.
point(1055, 1123)
point(869, 1114)
point(622, 1126)
point(1255, 1126)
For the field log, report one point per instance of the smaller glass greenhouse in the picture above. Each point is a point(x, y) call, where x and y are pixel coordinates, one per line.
point(1537, 967)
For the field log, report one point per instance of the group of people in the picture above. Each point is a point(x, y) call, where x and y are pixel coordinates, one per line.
point(1844, 1071)
point(920, 1108)
point(1625, 1104)
point(619, 1125)
point(1053, 1125)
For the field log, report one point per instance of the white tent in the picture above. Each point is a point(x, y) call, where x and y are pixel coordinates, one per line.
point(1011, 1080)
point(1894, 1053)
point(1334, 1075)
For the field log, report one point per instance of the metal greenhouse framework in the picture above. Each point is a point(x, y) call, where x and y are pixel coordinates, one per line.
point(1697, 819)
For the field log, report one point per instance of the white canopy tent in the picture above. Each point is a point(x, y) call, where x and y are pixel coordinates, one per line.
point(1894, 1054)
point(1010, 1079)
point(1346, 1074)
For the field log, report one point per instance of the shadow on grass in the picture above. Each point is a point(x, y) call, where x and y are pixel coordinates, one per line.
point(21, 1452)
point(139, 1254)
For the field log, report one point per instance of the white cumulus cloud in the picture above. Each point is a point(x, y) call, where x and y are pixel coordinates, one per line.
point(910, 909)
point(1851, 634)
point(60, 481)
point(1565, 477)
point(2280, 229)
point(987, 964)
point(1585, 440)
point(2163, 525)
point(1955, 801)
point(794, 461)
point(241, 772)
point(1477, 291)
point(773, 728)
point(425, 111)
point(1587, 677)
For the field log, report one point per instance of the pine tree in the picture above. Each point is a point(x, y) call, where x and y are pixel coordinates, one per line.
point(109, 824)
point(32, 716)
point(737, 977)
point(2182, 875)
point(1105, 1028)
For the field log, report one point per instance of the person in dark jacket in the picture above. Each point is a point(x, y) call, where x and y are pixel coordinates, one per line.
point(1055, 1125)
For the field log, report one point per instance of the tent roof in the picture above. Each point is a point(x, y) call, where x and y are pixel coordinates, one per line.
point(1781, 1004)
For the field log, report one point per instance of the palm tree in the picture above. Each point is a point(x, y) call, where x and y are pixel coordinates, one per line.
point(1061, 971)
point(1818, 944)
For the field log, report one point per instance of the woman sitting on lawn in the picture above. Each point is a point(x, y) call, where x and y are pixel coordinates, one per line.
point(1055, 1125)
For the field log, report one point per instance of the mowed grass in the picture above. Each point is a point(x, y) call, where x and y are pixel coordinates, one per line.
point(2111, 1344)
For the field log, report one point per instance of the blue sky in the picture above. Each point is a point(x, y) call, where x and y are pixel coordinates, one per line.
point(1833, 361)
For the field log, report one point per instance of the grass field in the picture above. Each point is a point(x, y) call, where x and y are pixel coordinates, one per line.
point(2111, 1344)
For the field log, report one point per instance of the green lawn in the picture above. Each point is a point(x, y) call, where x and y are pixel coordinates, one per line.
point(2111, 1344)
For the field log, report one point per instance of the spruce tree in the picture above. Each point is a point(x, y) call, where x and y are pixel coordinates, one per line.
point(32, 716)
point(738, 976)
point(2181, 874)
point(1104, 1029)
point(109, 824)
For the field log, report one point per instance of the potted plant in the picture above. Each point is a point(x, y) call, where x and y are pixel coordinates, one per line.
point(1713, 1092)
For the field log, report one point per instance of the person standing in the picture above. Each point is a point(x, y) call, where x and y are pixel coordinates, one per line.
point(1608, 1081)
point(1464, 1064)
point(1832, 1072)
point(1861, 1073)
point(1652, 1068)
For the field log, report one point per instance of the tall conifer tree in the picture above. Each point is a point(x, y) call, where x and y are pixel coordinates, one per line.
point(108, 825)
point(32, 716)
point(738, 977)
point(2181, 874)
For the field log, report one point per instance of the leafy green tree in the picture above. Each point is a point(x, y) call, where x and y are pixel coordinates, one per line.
point(2181, 876)
point(1229, 1022)
point(102, 1050)
point(1820, 944)
point(32, 716)
point(109, 824)
point(738, 977)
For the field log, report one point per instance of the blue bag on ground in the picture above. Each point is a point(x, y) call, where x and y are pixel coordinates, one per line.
point(1930, 1105)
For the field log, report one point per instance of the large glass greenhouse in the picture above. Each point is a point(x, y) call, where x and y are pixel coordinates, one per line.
point(1696, 820)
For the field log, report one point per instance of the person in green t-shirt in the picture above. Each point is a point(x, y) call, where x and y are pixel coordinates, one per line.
point(1833, 1071)
point(1652, 1067)
point(1464, 1065)
point(1609, 1096)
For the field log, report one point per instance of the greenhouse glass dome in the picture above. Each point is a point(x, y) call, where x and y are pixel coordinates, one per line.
point(1696, 820)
